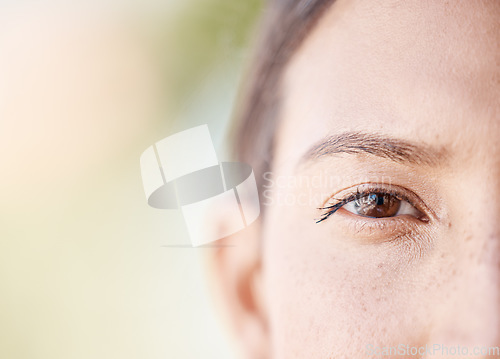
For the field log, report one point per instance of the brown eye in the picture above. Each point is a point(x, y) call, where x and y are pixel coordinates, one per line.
point(381, 205)
point(377, 205)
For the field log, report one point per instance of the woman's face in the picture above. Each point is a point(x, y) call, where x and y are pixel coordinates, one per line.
point(391, 114)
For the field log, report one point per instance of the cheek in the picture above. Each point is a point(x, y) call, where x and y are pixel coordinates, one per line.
point(328, 296)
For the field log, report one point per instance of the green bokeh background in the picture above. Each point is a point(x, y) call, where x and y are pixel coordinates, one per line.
point(85, 88)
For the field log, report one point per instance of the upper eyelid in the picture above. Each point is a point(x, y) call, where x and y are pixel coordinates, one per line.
point(381, 188)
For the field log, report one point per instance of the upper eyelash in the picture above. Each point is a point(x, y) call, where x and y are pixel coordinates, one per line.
point(359, 194)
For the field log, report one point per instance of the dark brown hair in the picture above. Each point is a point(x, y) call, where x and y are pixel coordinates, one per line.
point(284, 27)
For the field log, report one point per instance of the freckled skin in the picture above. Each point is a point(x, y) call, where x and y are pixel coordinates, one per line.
point(425, 71)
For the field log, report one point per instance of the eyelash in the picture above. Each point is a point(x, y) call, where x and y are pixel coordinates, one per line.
point(353, 196)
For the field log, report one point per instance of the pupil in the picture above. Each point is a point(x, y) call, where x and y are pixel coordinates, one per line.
point(380, 200)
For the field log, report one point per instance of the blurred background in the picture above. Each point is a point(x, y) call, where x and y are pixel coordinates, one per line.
point(86, 270)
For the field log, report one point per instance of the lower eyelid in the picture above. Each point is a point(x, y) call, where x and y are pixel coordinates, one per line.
point(404, 236)
point(376, 229)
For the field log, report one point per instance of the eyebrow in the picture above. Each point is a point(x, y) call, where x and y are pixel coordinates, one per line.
point(357, 143)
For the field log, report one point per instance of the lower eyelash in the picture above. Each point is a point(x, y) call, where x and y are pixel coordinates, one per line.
point(390, 226)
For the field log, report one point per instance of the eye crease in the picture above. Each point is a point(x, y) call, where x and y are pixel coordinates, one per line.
point(375, 204)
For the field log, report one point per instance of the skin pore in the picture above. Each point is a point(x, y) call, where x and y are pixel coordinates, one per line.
point(398, 101)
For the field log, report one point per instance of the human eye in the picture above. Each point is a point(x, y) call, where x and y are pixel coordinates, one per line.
point(381, 202)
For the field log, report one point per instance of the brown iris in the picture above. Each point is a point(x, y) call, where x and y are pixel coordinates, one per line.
point(377, 205)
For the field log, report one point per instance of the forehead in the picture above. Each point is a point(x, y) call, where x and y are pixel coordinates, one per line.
point(424, 70)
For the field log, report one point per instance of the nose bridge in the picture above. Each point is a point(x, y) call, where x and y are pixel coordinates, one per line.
point(470, 314)
point(482, 242)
